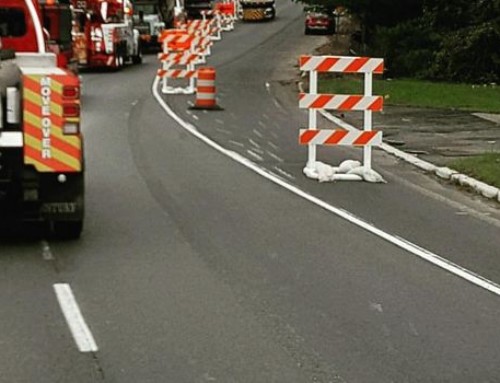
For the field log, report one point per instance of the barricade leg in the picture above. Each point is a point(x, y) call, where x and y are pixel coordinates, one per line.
point(313, 88)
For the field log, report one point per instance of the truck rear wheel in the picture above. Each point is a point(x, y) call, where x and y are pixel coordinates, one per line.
point(137, 59)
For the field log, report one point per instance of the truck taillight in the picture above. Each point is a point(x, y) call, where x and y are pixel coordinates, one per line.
point(71, 110)
point(71, 92)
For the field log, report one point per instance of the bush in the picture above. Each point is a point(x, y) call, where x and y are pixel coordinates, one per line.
point(408, 49)
point(469, 55)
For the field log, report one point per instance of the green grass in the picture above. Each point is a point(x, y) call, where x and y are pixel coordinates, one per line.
point(417, 93)
point(485, 167)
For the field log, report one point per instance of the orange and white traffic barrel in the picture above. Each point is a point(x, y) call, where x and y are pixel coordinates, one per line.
point(205, 89)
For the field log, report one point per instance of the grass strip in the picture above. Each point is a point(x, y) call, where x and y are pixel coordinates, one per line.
point(416, 93)
point(485, 167)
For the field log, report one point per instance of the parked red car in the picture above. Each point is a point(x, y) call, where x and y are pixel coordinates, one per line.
point(319, 19)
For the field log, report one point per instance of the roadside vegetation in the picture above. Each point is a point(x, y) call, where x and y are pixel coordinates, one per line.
point(419, 93)
point(437, 53)
point(437, 40)
point(485, 167)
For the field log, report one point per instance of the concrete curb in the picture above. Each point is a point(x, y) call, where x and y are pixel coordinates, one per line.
point(445, 173)
point(487, 191)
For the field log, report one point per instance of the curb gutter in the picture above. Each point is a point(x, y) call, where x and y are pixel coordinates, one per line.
point(487, 191)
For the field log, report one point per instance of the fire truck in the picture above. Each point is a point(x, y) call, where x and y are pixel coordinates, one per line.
point(57, 19)
point(104, 35)
point(41, 145)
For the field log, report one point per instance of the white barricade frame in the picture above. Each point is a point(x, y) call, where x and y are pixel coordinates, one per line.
point(366, 103)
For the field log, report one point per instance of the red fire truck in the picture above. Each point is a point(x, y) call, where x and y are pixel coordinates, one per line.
point(41, 146)
point(57, 20)
point(104, 35)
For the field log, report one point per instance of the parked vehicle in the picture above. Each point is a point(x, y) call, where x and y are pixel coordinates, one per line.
point(41, 146)
point(319, 19)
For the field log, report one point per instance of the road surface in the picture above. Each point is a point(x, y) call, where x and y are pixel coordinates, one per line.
point(194, 267)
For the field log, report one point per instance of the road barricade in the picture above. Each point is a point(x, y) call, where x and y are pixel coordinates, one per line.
point(227, 11)
point(367, 103)
point(215, 17)
point(177, 61)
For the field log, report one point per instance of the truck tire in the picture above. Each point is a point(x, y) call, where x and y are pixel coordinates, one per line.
point(137, 59)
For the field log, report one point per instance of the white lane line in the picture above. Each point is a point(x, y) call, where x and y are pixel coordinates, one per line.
point(219, 122)
point(397, 241)
point(236, 143)
point(79, 329)
point(195, 117)
point(257, 133)
point(261, 124)
point(46, 252)
point(274, 146)
point(277, 158)
point(281, 171)
point(252, 142)
point(223, 131)
point(255, 155)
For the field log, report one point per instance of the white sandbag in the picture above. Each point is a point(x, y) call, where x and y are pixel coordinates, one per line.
point(369, 175)
point(348, 165)
point(321, 172)
point(325, 172)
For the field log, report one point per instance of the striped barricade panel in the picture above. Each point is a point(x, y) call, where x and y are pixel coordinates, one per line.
point(176, 73)
point(339, 137)
point(178, 58)
point(202, 41)
point(342, 64)
point(341, 102)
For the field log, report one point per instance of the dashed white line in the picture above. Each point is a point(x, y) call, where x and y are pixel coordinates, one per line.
point(254, 143)
point(277, 158)
point(255, 155)
point(195, 117)
point(79, 329)
point(237, 143)
point(272, 145)
point(344, 214)
point(281, 171)
point(219, 121)
point(257, 133)
point(260, 123)
point(223, 130)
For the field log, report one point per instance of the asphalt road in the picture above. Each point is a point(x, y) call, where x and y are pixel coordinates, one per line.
point(194, 268)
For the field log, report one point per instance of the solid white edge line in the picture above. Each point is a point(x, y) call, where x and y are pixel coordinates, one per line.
point(397, 241)
point(79, 329)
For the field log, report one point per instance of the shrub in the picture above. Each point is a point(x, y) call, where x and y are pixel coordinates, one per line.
point(469, 55)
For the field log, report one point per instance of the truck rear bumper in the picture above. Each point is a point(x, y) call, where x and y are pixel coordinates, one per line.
point(28, 195)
